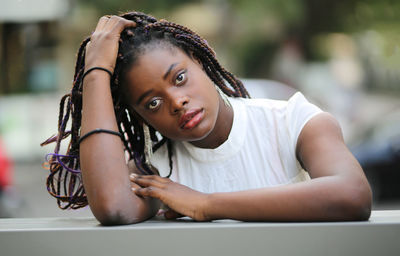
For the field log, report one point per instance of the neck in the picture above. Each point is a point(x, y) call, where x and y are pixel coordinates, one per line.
point(221, 130)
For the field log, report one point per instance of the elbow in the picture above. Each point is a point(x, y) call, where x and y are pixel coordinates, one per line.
point(109, 214)
point(358, 203)
point(111, 219)
point(359, 211)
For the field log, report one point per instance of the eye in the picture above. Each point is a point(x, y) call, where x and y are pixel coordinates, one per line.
point(154, 104)
point(180, 78)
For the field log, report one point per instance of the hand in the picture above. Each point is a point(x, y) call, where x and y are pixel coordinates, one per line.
point(182, 200)
point(102, 49)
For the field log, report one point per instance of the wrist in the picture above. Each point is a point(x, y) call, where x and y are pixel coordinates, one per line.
point(208, 207)
point(95, 76)
point(98, 63)
point(107, 68)
point(88, 71)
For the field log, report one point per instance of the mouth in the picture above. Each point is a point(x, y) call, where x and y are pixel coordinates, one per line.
point(191, 118)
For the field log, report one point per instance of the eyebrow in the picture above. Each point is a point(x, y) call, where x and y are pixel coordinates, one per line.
point(169, 70)
point(144, 95)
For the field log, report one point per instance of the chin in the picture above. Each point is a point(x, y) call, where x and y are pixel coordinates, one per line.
point(201, 132)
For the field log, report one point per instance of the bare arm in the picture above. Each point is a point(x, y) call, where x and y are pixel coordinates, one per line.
point(338, 190)
point(105, 172)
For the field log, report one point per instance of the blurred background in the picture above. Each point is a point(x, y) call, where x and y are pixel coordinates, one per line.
point(343, 55)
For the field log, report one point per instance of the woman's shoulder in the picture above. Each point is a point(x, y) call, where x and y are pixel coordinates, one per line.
point(290, 115)
point(296, 100)
point(259, 102)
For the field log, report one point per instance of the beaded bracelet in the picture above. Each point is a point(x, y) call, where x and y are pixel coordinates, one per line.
point(94, 68)
point(98, 130)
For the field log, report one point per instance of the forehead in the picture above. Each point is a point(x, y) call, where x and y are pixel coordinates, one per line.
point(153, 63)
point(150, 67)
point(158, 59)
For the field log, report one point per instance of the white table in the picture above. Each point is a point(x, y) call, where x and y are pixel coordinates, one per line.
point(84, 236)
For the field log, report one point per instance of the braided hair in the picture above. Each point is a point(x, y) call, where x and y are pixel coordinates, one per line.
point(65, 181)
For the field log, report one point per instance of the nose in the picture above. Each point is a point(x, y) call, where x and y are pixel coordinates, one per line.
point(178, 102)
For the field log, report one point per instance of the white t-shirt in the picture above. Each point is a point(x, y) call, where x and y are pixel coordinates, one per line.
point(259, 152)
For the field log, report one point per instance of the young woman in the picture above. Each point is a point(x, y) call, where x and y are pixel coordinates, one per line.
point(143, 85)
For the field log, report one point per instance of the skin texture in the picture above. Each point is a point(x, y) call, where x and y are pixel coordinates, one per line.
point(185, 88)
point(338, 189)
point(107, 182)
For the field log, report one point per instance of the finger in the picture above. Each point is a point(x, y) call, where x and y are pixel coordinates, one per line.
point(117, 24)
point(102, 22)
point(134, 185)
point(160, 212)
point(171, 215)
point(157, 178)
point(121, 23)
point(144, 182)
point(111, 22)
point(148, 191)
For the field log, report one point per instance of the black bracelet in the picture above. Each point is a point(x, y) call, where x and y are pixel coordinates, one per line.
point(94, 68)
point(98, 130)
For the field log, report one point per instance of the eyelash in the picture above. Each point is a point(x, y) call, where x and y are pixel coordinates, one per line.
point(184, 77)
point(148, 106)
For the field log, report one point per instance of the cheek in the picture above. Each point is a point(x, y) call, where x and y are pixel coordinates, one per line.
point(210, 96)
point(159, 125)
point(159, 122)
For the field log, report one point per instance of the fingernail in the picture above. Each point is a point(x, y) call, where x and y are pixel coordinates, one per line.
point(161, 212)
point(133, 175)
point(133, 189)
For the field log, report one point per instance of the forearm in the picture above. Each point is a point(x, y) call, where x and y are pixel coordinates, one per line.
point(320, 199)
point(105, 172)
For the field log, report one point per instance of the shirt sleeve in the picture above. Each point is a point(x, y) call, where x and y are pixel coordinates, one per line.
point(299, 111)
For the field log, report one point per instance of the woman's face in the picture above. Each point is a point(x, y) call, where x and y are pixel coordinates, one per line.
point(172, 93)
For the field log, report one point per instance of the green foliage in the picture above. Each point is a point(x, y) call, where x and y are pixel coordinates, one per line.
point(119, 6)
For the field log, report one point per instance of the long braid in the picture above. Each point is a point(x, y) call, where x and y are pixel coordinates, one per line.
point(65, 181)
point(205, 53)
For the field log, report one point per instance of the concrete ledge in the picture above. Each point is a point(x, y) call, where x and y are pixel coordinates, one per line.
point(84, 236)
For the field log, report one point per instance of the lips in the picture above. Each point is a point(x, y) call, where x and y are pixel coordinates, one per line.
point(191, 118)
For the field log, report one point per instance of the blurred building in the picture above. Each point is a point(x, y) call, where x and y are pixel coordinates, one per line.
point(28, 44)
